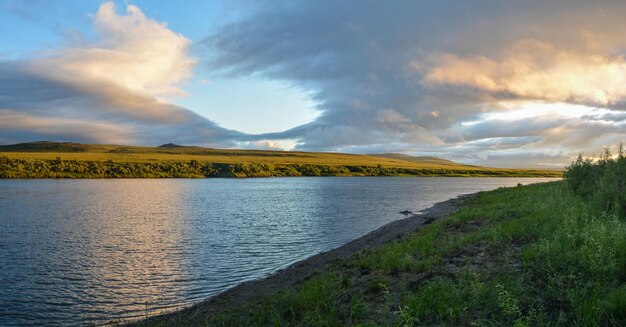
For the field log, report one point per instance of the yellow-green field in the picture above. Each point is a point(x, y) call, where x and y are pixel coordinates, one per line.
point(137, 155)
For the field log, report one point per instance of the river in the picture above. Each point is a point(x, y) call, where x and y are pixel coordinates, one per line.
point(77, 252)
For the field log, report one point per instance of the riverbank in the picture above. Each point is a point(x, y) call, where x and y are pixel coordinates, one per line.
point(529, 255)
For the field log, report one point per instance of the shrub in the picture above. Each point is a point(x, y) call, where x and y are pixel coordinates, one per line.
point(603, 182)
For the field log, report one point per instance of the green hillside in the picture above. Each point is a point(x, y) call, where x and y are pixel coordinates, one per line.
point(419, 159)
point(75, 160)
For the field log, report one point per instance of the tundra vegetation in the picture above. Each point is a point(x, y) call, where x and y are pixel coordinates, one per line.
point(73, 160)
point(551, 254)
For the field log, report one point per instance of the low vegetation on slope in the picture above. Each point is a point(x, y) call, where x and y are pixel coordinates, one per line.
point(421, 159)
point(73, 160)
point(549, 254)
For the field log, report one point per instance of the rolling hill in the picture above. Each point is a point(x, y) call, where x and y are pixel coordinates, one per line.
point(171, 160)
point(420, 159)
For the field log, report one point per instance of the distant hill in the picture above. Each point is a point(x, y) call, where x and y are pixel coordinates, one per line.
point(51, 146)
point(46, 146)
point(137, 160)
point(174, 146)
point(420, 159)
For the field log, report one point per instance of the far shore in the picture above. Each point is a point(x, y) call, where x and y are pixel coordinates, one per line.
point(109, 169)
point(75, 160)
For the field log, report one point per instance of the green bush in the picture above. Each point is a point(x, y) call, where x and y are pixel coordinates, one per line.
point(603, 182)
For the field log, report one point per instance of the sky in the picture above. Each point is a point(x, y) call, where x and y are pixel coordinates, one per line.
point(509, 84)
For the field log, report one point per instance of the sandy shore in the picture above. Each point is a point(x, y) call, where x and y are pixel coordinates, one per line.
point(293, 275)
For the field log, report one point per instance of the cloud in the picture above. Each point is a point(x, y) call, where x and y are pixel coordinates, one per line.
point(17, 125)
point(131, 51)
point(407, 75)
point(262, 145)
point(471, 81)
point(532, 69)
point(113, 89)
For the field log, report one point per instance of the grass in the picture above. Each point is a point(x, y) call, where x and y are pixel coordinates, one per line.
point(73, 160)
point(536, 255)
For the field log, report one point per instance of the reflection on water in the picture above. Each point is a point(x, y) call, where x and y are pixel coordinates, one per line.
point(85, 251)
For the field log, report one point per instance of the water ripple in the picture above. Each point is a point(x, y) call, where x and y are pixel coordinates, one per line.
point(78, 252)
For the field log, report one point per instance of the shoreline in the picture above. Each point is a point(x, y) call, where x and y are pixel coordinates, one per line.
point(300, 271)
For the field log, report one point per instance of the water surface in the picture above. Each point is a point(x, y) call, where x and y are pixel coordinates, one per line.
point(88, 251)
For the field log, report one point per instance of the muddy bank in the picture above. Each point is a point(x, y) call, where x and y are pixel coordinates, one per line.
point(291, 276)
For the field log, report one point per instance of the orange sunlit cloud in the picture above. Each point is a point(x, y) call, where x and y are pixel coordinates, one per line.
point(537, 70)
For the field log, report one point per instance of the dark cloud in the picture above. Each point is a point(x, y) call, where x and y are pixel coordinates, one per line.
point(406, 74)
point(33, 106)
point(420, 77)
point(109, 91)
